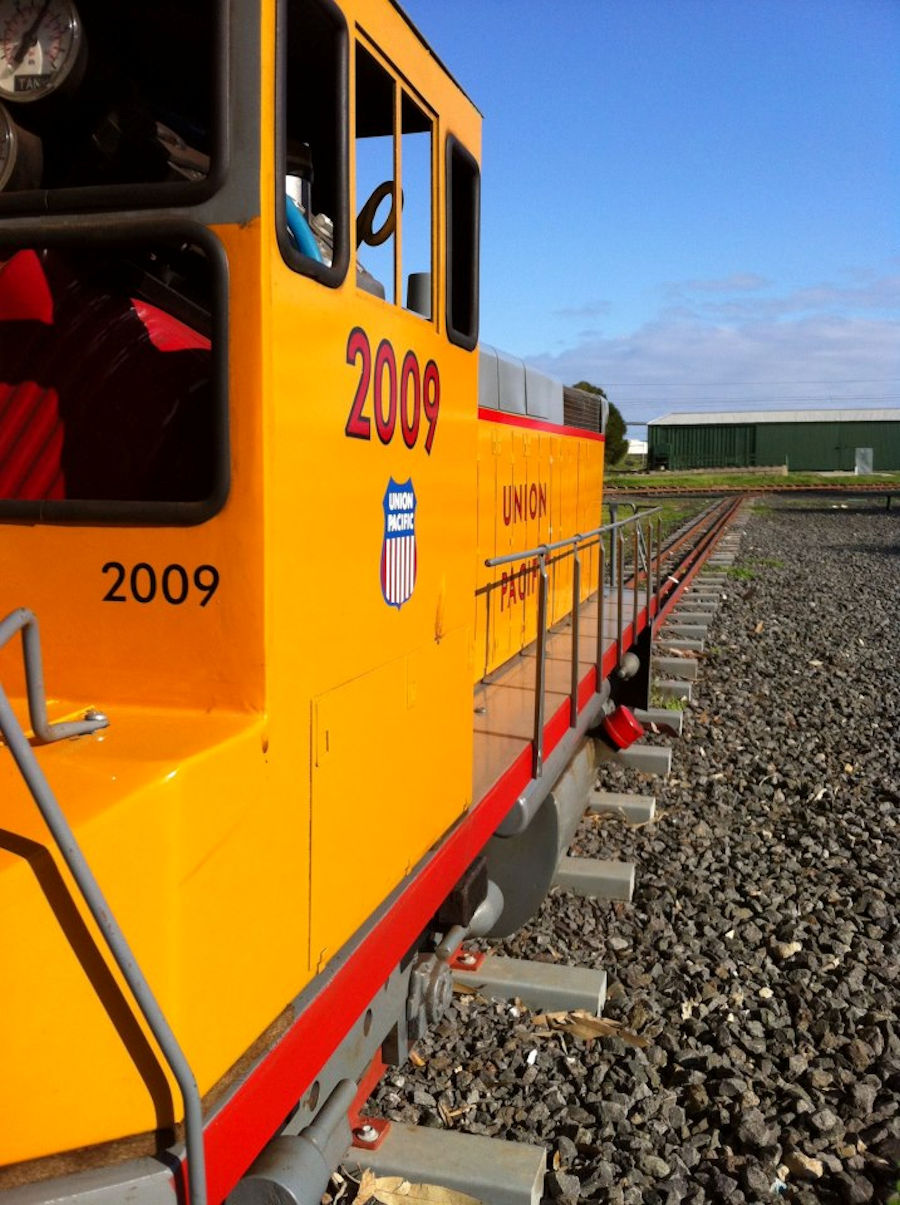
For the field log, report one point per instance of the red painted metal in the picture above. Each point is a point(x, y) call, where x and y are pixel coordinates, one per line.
point(536, 424)
point(622, 728)
point(473, 960)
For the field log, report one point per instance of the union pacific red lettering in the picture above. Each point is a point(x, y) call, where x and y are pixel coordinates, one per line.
point(524, 502)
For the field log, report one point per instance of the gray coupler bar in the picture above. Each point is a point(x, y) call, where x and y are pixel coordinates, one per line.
point(595, 879)
point(489, 1169)
point(545, 986)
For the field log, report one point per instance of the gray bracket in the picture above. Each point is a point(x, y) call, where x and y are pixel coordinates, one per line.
point(677, 667)
point(649, 759)
point(596, 879)
point(489, 1169)
point(541, 985)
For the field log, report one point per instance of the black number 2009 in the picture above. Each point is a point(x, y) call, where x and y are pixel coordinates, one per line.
point(174, 583)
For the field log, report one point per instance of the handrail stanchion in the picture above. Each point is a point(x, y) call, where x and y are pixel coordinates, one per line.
point(659, 563)
point(620, 597)
point(635, 552)
point(540, 674)
point(601, 607)
point(648, 585)
point(613, 519)
point(576, 630)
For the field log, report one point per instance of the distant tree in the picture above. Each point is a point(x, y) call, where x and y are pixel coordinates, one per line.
point(616, 443)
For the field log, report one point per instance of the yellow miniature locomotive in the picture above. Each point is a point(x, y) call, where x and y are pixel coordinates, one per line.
point(247, 493)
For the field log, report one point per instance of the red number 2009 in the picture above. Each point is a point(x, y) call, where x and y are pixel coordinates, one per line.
point(411, 392)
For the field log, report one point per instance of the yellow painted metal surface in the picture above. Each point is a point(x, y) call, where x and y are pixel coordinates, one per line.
point(296, 731)
point(536, 485)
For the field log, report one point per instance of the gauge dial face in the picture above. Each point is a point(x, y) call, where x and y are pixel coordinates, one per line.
point(7, 147)
point(39, 44)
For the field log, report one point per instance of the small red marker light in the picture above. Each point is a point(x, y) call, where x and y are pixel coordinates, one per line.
point(622, 728)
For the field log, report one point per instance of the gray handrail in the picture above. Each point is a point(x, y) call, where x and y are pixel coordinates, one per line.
point(571, 541)
point(24, 620)
point(578, 543)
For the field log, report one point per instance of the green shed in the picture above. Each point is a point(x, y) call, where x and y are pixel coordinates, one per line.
point(865, 441)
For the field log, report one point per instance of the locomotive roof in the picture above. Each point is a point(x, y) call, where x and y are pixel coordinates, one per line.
point(734, 417)
point(437, 58)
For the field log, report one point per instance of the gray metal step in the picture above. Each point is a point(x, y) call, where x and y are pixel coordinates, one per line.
point(701, 618)
point(596, 879)
point(676, 627)
point(636, 809)
point(686, 668)
point(672, 717)
point(489, 1169)
point(649, 759)
point(669, 688)
point(689, 646)
point(546, 986)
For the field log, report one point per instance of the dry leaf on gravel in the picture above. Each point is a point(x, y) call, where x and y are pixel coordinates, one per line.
point(394, 1190)
point(582, 1024)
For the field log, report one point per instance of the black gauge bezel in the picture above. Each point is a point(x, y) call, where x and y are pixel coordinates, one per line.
point(57, 80)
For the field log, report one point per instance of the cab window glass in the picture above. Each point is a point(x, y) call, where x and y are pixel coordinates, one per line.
point(311, 196)
point(109, 99)
point(417, 208)
point(394, 188)
point(375, 187)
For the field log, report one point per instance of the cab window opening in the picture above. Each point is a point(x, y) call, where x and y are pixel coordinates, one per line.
point(311, 200)
point(394, 148)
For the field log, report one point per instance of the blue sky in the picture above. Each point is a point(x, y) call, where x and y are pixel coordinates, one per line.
point(693, 203)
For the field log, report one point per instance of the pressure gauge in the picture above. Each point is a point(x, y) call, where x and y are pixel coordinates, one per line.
point(40, 43)
point(21, 155)
point(8, 147)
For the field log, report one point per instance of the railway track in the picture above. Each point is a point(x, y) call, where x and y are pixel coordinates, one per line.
point(665, 589)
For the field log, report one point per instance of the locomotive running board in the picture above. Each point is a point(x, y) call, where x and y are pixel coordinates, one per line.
point(488, 1169)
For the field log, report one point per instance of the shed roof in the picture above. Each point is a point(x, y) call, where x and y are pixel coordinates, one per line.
point(732, 417)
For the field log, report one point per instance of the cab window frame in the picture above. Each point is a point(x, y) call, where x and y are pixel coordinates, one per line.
point(462, 226)
point(406, 96)
point(333, 274)
point(165, 194)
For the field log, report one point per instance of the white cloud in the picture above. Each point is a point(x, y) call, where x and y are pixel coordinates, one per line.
point(684, 361)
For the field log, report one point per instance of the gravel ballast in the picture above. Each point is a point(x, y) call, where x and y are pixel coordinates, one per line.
point(760, 958)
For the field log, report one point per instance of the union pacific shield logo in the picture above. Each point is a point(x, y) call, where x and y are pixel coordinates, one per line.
point(398, 552)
